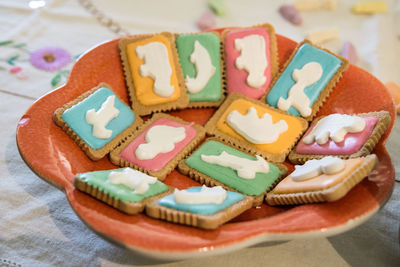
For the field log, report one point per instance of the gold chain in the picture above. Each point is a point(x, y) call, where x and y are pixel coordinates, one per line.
point(103, 19)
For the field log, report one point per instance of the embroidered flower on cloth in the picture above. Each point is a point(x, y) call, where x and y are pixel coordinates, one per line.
point(50, 58)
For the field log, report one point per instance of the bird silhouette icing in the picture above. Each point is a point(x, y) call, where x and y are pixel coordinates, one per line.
point(334, 126)
point(160, 139)
point(309, 74)
point(100, 119)
point(204, 69)
point(214, 195)
point(254, 129)
point(253, 59)
point(316, 167)
point(157, 66)
point(245, 168)
point(135, 180)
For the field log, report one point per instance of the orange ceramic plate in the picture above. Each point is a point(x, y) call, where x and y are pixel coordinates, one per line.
point(54, 157)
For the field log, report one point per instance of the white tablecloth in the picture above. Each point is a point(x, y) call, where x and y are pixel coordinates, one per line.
point(37, 225)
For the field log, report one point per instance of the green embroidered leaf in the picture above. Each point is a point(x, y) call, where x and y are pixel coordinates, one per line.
point(2, 68)
point(12, 59)
point(6, 42)
point(56, 79)
point(19, 45)
point(218, 6)
point(65, 72)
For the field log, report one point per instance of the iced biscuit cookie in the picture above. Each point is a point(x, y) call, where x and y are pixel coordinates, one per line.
point(125, 189)
point(158, 145)
point(326, 179)
point(342, 135)
point(202, 207)
point(152, 73)
point(200, 60)
point(215, 163)
point(255, 127)
point(307, 79)
point(97, 121)
point(251, 59)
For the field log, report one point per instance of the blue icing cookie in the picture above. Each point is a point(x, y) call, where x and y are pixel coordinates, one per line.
point(75, 117)
point(305, 54)
point(208, 209)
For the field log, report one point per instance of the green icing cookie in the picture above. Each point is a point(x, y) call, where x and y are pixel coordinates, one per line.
point(99, 179)
point(228, 176)
point(212, 92)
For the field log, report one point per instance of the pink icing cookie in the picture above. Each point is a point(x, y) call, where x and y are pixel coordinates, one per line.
point(236, 78)
point(160, 160)
point(351, 143)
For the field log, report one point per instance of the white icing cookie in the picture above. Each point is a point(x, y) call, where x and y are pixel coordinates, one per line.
point(204, 69)
point(136, 180)
point(99, 119)
point(316, 167)
point(334, 126)
point(160, 139)
point(245, 168)
point(207, 195)
point(254, 129)
point(157, 66)
point(252, 59)
point(306, 76)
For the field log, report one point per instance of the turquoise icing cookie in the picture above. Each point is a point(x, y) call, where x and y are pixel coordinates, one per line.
point(212, 92)
point(99, 179)
point(305, 54)
point(75, 118)
point(228, 176)
point(208, 209)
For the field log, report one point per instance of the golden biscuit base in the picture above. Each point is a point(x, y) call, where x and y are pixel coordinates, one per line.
point(210, 182)
point(384, 120)
point(130, 208)
point(170, 166)
point(139, 108)
point(273, 48)
point(243, 145)
point(328, 87)
point(207, 104)
point(213, 221)
point(331, 194)
point(93, 154)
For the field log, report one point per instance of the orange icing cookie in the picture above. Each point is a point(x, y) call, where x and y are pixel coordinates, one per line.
point(285, 140)
point(321, 182)
point(144, 84)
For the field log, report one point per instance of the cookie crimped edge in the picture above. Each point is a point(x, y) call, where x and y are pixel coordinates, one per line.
point(130, 208)
point(208, 222)
point(326, 195)
point(380, 127)
point(245, 146)
point(140, 108)
point(273, 49)
point(323, 96)
point(209, 181)
point(94, 154)
point(170, 166)
point(206, 104)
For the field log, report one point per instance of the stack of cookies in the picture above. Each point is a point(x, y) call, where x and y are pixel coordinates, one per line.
point(264, 118)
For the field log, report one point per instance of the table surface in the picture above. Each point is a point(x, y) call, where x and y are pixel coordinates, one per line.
point(37, 225)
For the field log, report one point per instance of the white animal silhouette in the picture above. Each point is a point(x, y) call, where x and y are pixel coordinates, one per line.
point(102, 117)
point(252, 58)
point(204, 69)
point(157, 66)
point(306, 76)
point(207, 195)
point(254, 129)
point(334, 126)
point(245, 168)
point(160, 139)
point(135, 180)
point(316, 167)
